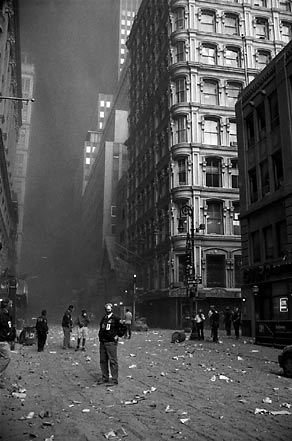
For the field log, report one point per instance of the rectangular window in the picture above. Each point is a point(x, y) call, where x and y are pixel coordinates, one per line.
point(209, 55)
point(181, 268)
point(262, 28)
point(263, 57)
point(180, 51)
point(265, 177)
point(210, 92)
point(274, 110)
point(213, 172)
point(232, 57)
point(268, 242)
point(182, 172)
point(281, 235)
point(233, 90)
point(180, 86)
point(237, 272)
point(231, 24)
point(286, 32)
point(260, 3)
point(261, 121)
point(285, 5)
point(180, 18)
point(113, 210)
point(211, 132)
point(232, 134)
point(253, 187)
point(277, 169)
point(236, 222)
point(216, 271)
point(234, 173)
point(208, 22)
point(255, 246)
point(214, 218)
point(182, 129)
point(249, 123)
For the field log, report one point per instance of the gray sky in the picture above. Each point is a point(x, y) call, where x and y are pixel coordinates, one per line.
point(73, 45)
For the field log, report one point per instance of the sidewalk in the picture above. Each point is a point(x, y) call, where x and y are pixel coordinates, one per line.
point(193, 390)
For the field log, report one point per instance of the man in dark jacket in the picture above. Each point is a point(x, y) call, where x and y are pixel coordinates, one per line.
point(236, 322)
point(214, 321)
point(7, 334)
point(42, 330)
point(108, 338)
point(82, 329)
point(67, 325)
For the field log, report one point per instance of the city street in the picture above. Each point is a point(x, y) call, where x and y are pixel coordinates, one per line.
point(193, 390)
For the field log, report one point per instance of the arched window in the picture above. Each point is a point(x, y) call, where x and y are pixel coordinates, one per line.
point(209, 54)
point(208, 22)
point(231, 24)
point(233, 56)
point(210, 93)
point(211, 132)
point(214, 217)
point(213, 172)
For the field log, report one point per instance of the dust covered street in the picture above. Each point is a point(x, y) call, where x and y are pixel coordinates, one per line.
point(191, 390)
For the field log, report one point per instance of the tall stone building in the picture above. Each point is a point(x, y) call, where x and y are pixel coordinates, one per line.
point(264, 116)
point(10, 121)
point(189, 60)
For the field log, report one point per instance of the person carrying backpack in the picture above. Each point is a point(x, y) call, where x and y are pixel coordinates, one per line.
point(42, 330)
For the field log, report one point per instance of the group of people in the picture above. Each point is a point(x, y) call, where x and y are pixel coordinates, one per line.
point(230, 317)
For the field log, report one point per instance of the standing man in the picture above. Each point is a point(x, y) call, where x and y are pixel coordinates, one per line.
point(108, 348)
point(67, 325)
point(228, 320)
point(199, 320)
point(7, 335)
point(214, 319)
point(236, 322)
point(42, 330)
point(82, 329)
point(128, 323)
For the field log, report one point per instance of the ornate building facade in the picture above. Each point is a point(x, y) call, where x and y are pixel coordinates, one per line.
point(189, 60)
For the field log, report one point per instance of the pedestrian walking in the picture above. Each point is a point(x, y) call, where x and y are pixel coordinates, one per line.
point(236, 322)
point(7, 335)
point(199, 320)
point(108, 348)
point(214, 319)
point(228, 320)
point(128, 323)
point(42, 330)
point(67, 325)
point(82, 329)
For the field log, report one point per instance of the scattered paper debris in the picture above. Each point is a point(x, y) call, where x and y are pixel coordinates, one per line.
point(267, 400)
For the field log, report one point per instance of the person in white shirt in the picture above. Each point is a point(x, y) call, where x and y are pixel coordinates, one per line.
point(199, 320)
point(128, 323)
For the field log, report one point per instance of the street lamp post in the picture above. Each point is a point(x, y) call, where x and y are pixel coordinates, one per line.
point(191, 280)
point(134, 295)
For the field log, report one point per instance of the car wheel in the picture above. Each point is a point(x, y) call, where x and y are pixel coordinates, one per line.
point(287, 366)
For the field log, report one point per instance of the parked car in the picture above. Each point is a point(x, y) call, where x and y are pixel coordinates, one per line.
point(285, 360)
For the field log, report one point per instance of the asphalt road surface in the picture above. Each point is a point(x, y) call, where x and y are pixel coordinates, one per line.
point(191, 391)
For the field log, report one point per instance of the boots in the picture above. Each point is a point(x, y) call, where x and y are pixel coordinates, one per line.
point(83, 344)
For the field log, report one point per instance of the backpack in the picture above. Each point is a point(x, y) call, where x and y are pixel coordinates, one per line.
point(122, 329)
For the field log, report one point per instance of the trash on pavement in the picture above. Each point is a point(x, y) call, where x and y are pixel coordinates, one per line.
point(267, 400)
point(261, 411)
point(132, 366)
point(280, 412)
point(286, 405)
point(85, 410)
point(223, 377)
point(30, 416)
point(168, 409)
point(213, 378)
point(239, 358)
point(52, 437)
